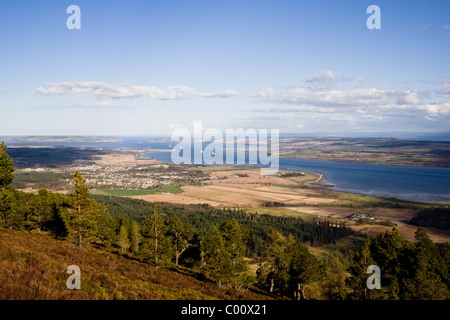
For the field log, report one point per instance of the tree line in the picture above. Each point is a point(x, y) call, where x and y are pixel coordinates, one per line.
point(205, 218)
point(434, 218)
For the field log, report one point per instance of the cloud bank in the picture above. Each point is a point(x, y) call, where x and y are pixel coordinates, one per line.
point(322, 97)
point(121, 91)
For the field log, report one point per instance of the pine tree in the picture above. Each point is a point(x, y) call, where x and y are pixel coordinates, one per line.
point(135, 237)
point(334, 286)
point(6, 167)
point(104, 224)
point(425, 285)
point(181, 234)
point(273, 271)
point(304, 268)
point(429, 272)
point(218, 265)
point(358, 281)
point(156, 246)
point(394, 289)
point(235, 237)
point(41, 210)
point(83, 225)
point(393, 253)
point(6, 189)
point(122, 239)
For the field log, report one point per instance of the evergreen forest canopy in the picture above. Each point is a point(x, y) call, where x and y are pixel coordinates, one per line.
point(218, 243)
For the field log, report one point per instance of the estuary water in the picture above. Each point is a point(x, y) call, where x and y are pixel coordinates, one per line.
point(401, 182)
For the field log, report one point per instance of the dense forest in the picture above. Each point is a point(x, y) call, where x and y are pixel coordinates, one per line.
point(434, 218)
point(205, 219)
point(218, 243)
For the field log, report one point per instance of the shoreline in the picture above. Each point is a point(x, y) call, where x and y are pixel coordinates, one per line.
point(320, 178)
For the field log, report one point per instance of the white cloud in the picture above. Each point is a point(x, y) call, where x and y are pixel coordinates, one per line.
point(336, 98)
point(361, 111)
point(328, 78)
point(367, 104)
point(349, 79)
point(446, 88)
point(341, 118)
point(313, 109)
point(404, 97)
point(324, 78)
point(117, 91)
point(223, 94)
point(358, 100)
point(102, 104)
point(373, 117)
point(435, 109)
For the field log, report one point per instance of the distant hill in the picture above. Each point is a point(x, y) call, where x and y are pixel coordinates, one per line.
point(33, 267)
point(438, 136)
point(61, 139)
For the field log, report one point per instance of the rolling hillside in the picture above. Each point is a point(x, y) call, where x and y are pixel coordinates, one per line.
point(33, 267)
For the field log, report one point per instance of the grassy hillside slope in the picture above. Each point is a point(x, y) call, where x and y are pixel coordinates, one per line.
point(34, 267)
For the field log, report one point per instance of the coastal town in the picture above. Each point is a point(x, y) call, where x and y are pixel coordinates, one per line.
point(112, 170)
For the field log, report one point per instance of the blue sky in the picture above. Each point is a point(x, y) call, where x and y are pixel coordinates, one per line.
point(148, 67)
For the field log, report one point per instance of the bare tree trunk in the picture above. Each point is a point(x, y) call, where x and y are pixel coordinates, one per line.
point(178, 254)
point(156, 242)
point(301, 291)
point(79, 225)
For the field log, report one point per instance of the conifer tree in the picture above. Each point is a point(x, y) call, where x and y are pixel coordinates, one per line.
point(40, 210)
point(6, 167)
point(429, 271)
point(83, 225)
point(6, 189)
point(234, 238)
point(273, 271)
point(156, 246)
point(362, 260)
point(122, 239)
point(217, 260)
point(334, 286)
point(181, 234)
point(104, 223)
point(390, 252)
point(304, 268)
point(393, 254)
point(135, 237)
point(6, 198)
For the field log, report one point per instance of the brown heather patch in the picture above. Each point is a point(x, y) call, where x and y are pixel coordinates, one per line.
point(33, 267)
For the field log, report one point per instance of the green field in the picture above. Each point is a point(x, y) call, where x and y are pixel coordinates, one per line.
point(130, 193)
point(170, 189)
